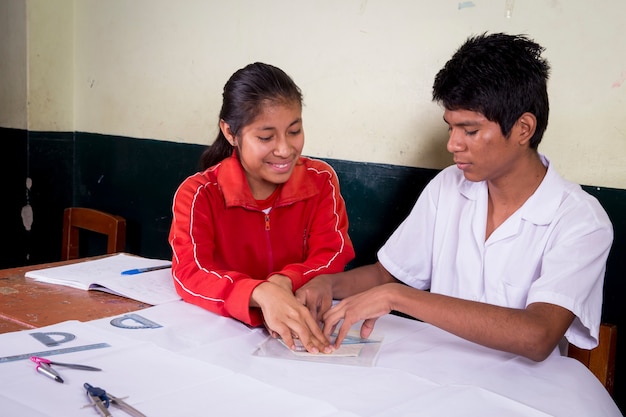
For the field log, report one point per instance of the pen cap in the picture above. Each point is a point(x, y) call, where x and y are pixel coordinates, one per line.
point(47, 370)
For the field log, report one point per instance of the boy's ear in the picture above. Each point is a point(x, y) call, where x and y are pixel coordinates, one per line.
point(525, 126)
point(228, 134)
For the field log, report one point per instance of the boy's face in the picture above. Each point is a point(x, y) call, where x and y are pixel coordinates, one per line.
point(479, 148)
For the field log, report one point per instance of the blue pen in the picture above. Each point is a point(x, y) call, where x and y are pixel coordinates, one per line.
point(141, 270)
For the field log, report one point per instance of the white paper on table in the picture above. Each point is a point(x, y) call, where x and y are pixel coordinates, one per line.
point(360, 354)
point(156, 381)
point(184, 326)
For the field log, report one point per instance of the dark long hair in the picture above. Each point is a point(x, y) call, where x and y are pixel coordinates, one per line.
point(245, 94)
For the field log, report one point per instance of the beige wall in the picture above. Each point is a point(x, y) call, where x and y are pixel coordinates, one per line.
point(51, 65)
point(13, 64)
point(155, 69)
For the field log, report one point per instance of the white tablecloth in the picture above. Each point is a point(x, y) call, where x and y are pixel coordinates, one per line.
point(200, 364)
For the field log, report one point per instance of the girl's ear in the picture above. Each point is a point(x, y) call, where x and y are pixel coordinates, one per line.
point(526, 125)
point(228, 134)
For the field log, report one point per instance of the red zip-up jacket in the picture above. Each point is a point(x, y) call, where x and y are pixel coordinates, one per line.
point(224, 245)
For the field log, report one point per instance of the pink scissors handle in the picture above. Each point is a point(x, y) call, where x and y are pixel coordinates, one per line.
point(39, 360)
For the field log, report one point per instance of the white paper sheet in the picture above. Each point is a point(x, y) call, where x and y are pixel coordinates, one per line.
point(158, 382)
point(420, 371)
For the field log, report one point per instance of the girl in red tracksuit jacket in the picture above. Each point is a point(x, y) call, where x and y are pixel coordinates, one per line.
point(261, 220)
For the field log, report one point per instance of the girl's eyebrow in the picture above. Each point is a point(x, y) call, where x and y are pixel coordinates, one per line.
point(298, 120)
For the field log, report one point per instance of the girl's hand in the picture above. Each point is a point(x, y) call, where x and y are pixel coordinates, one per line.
point(288, 318)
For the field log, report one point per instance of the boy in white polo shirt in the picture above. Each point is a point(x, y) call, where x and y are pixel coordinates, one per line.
point(513, 255)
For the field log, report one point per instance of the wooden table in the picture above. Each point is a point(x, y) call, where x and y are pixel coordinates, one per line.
point(26, 304)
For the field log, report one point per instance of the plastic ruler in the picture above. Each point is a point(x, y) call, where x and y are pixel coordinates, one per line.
point(53, 352)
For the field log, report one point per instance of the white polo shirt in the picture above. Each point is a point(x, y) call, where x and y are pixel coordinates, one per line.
point(553, 249)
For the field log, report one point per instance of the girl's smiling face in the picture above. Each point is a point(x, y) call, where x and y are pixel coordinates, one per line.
point(269, 147)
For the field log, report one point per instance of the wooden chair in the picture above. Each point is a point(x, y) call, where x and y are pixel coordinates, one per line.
point(76, 218)
point(601, 359)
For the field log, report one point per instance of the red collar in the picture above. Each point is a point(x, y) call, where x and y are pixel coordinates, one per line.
point(232, 180)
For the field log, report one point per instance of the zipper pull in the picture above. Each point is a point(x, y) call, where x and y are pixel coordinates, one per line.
point(267, 221)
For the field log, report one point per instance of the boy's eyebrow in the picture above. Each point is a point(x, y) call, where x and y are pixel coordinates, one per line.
point(464, 123)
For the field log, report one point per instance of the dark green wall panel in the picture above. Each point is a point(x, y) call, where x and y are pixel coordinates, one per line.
point(13, 188)
point(51, 168)
point(135, 179)
point(378, 197)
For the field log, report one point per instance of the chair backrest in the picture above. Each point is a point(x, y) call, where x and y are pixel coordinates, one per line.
point(76, 218)
point(601, 359)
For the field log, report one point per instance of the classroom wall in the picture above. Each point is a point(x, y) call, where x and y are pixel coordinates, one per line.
point(51, 63)
point(155, 69)
point(13, 64)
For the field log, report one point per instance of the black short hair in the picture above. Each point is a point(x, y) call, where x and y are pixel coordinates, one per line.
point(500, 76)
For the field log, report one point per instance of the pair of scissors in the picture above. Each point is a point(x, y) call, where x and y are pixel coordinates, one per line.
point(101, 400)
point(44, 366)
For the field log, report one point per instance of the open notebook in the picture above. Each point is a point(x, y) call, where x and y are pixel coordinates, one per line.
point(105, 274)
